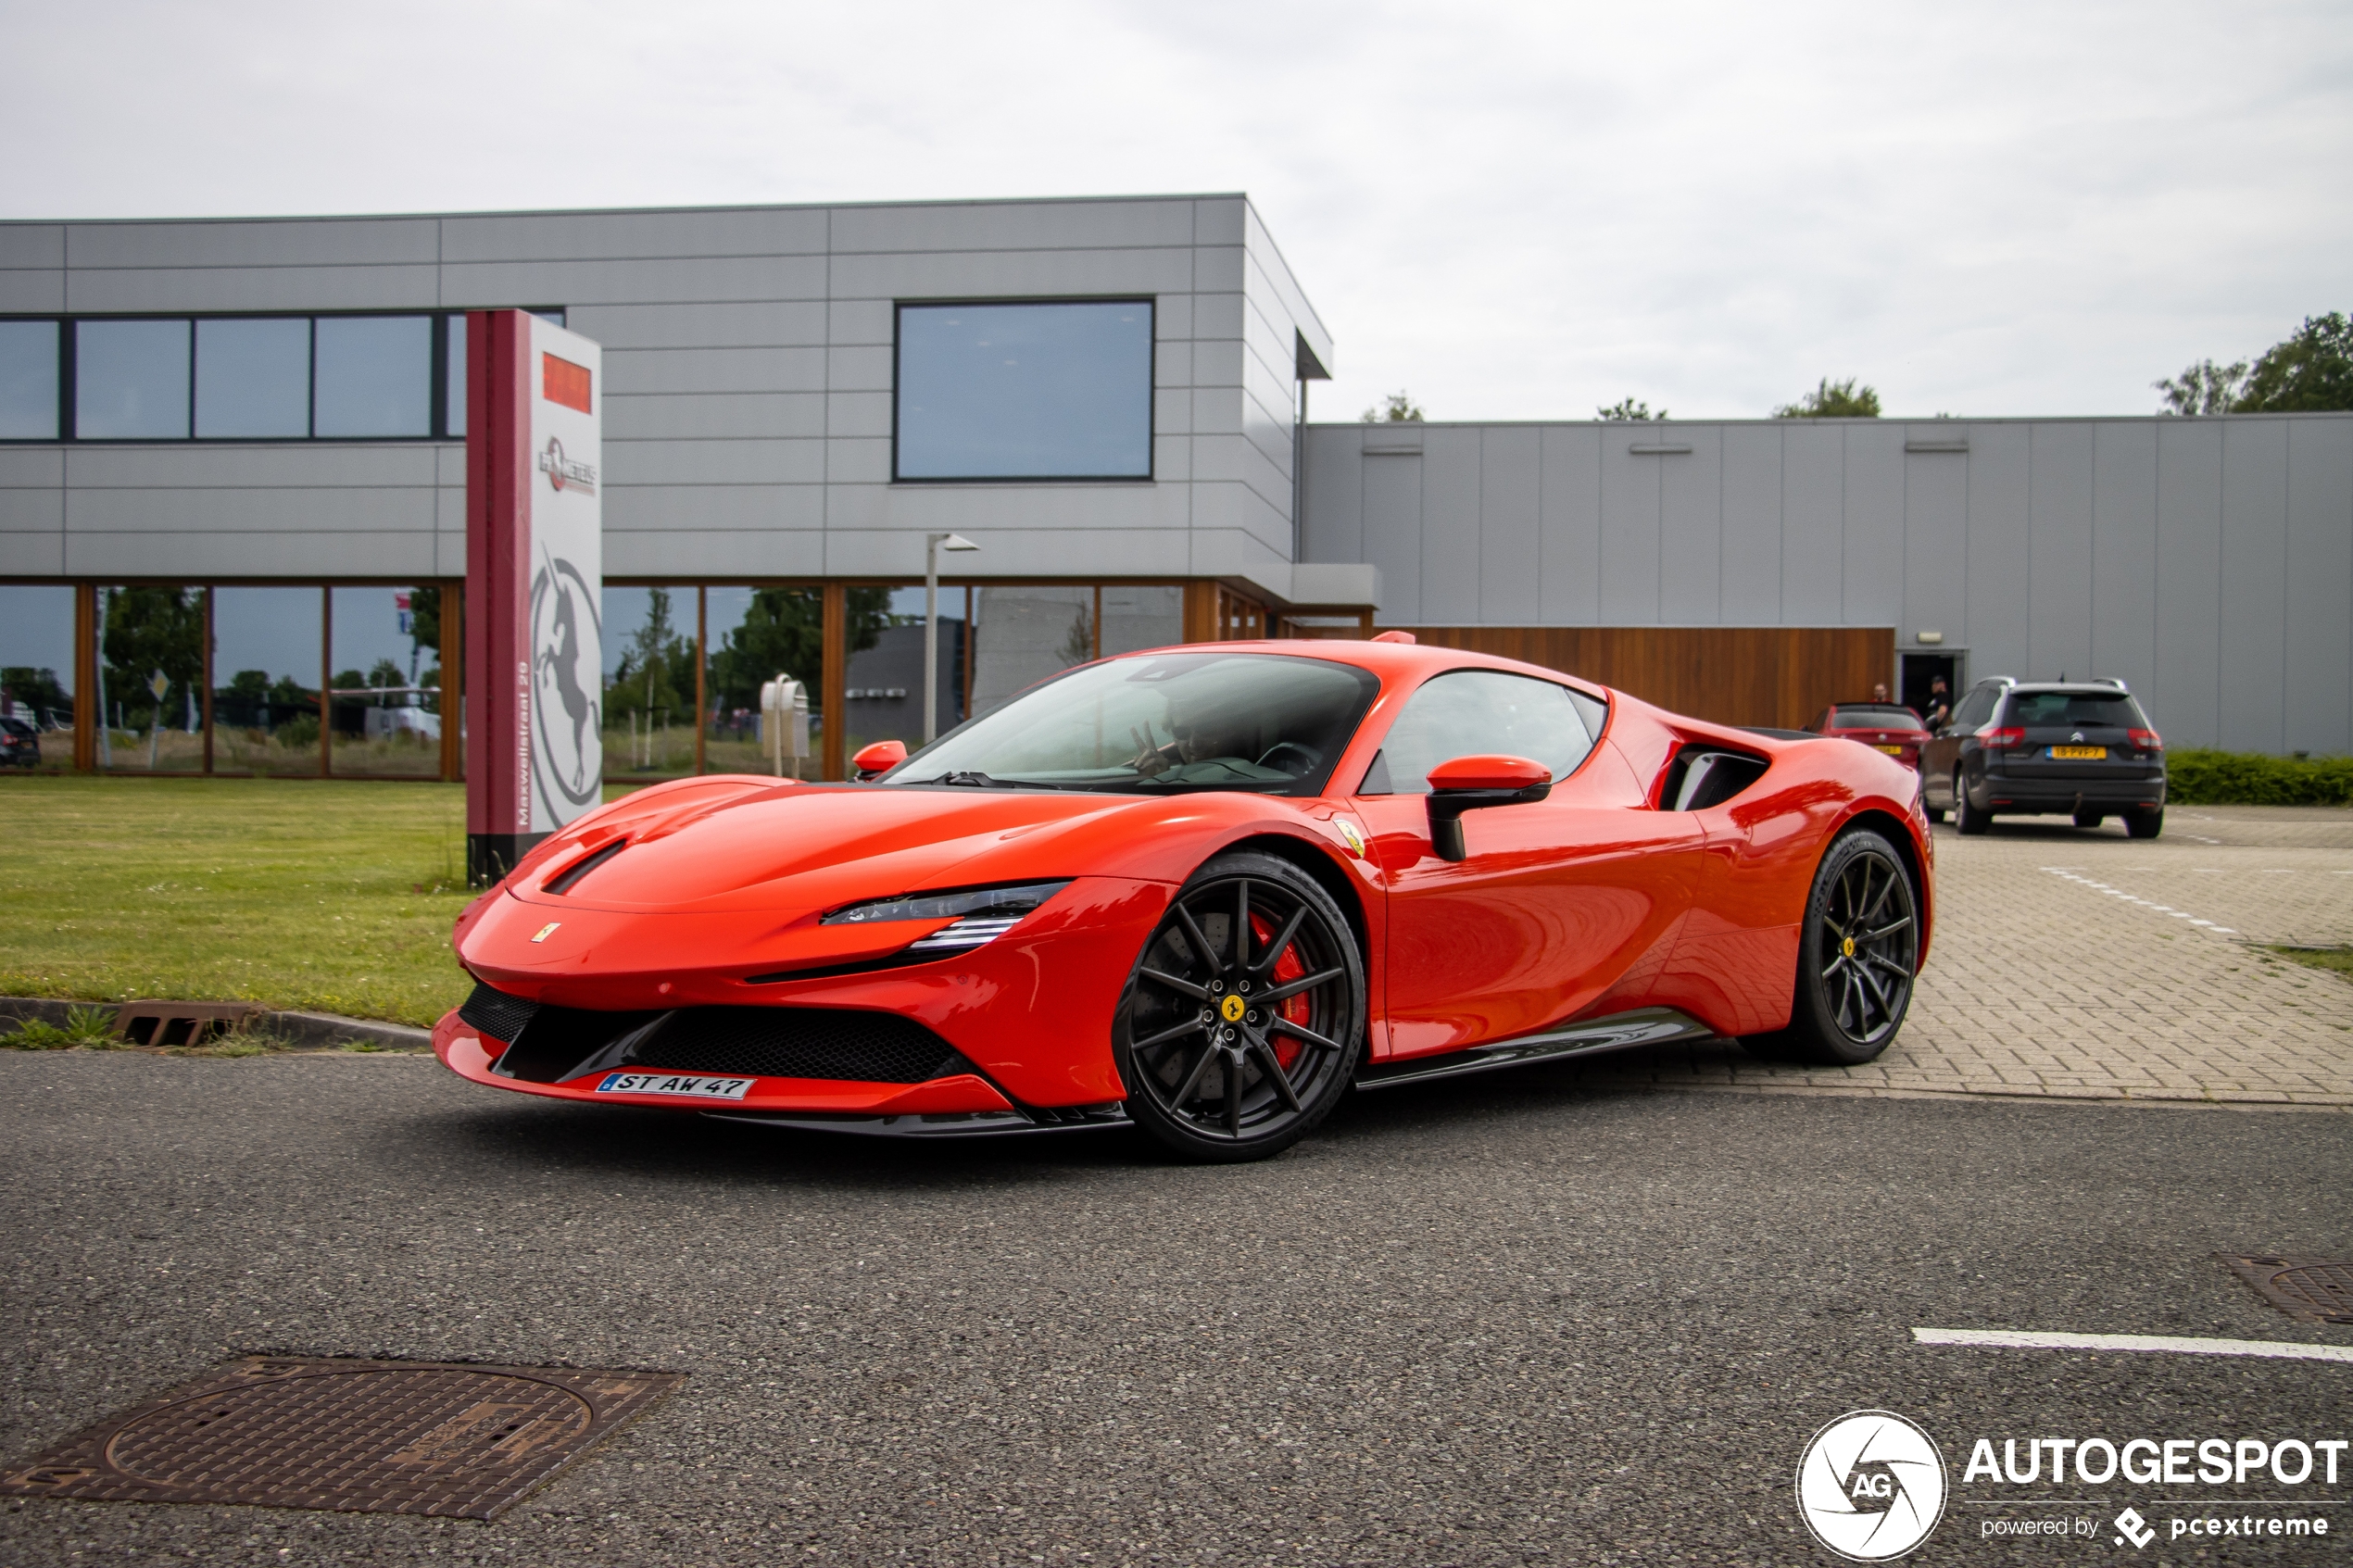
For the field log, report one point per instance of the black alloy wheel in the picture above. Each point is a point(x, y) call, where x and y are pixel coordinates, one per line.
point(1244, 1021)
point(1967, 817)
point(1856, 954)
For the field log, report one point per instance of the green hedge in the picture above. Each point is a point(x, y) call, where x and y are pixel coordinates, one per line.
point(2202, 777)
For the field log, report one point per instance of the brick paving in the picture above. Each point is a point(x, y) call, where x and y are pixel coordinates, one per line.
point(2083, 965)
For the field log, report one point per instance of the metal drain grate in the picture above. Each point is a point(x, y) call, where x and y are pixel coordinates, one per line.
point(2309, 1289)
point(365, 1437)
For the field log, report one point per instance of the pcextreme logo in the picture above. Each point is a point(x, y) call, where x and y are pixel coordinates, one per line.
point(1870, 1485)
point(563, 474)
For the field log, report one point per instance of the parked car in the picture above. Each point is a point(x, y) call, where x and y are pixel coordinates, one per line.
point(19, 745)
point(2025, 748)
point(1884, 726)
point(1205, 891)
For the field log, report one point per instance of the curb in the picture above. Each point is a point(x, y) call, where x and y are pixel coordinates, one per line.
point(315, 1030)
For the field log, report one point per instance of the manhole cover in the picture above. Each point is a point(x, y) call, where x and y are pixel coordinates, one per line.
point(2311, 1289)
point(371, 1436)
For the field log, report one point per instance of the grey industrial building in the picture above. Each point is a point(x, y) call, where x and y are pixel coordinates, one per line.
point(764, 454)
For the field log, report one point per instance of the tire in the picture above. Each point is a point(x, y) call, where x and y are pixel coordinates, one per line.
point(1936, 813)
point(2146, 824)
point(2090, 819)
point(1967, 817)
point(1854, 985)
point(1208, 1078)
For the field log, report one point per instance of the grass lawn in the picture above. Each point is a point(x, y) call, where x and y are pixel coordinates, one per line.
point(309, 894)
point(2338, 961)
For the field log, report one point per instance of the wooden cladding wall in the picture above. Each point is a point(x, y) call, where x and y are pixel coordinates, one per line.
point(1775, 676)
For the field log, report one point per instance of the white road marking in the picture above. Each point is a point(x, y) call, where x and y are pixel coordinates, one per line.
point(2027, 1339)
point(2129, 898)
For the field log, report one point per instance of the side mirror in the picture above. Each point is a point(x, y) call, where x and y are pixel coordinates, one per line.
point(1471, 783)
point(880, 758)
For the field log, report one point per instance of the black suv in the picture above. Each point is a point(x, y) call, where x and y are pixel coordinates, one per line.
point(19, 745)
point(2025, 749)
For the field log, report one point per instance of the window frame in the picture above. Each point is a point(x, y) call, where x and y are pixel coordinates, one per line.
point(443, 321)
point(898, 309)
point(1594, 737)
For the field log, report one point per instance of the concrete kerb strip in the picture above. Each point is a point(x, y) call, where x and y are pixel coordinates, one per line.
point(316, 1031)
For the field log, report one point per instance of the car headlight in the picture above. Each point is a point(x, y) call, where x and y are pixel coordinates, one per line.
point(982, 914)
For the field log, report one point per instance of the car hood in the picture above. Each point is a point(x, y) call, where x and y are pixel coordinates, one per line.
point(756, 846)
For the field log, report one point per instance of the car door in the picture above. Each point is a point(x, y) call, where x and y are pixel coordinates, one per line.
point(1556, 901)
point(1942, 753)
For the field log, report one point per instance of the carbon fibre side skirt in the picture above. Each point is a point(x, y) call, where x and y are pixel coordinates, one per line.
point(1645, 1026)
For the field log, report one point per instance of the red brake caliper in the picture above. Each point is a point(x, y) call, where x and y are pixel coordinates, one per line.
point(1288, 968)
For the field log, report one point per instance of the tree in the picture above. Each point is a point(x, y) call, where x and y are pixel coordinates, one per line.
point(657, 668)
point(783, 632)
point(38, 689)
point(2203, 388)
point(2310, 373)
point(150, 629)
point(1833, 400)
point(1396, 408)
point(1629, 408)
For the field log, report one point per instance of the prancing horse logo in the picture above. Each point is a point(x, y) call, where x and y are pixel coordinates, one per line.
point(1231, 1009)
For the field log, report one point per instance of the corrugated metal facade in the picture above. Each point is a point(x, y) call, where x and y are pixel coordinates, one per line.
point(2207, 562)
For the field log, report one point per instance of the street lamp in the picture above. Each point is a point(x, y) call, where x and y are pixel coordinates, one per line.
point(933, 545)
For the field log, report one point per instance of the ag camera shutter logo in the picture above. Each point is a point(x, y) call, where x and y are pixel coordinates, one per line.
point(1871, 1486)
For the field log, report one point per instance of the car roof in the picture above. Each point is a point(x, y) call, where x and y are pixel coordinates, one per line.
point(2073, 688)
point(1392, 661)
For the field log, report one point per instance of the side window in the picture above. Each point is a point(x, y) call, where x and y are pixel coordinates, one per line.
point(1977, 708)
point(1476, 712)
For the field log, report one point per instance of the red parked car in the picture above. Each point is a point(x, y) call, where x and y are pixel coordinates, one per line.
point(1206, 891)
point(1882, 726)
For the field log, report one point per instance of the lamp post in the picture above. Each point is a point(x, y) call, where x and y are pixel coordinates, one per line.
point(933, 545)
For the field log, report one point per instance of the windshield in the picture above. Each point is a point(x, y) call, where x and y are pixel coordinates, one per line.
point(1164, 722)
point(1854, 717)
point(2032, 708)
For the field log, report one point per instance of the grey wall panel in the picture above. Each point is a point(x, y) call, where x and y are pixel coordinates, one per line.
point(1221, 220)
point(714, 369)
point(1217, 410)
point(1393, 532)
point(1333, 529)
point(32, 555)
point(699, 278)
point(2125, 552)
point(2186, 704)
point(254, 288)
point(1690, 528)
point(864, 368)
point(862, 320)
point(255, 241)
point(1172, 364)
point(227, 553)
point(627, 235)
point(1570, 492)
point(715, 554)
point(687, 416)
point(714, 462)
point(23, 466)
point(658, 507)
point(746, 324)
point(1289, 300)
point(450, 508)
point(858, 413)
point(1872, 594)
point(1751, 586)
point(987, 274)
point(24, 292)
point(1630, 528)
point(1172, 457)
point(1935, 542)
point(2254, 717)
point(1510, 526)
point(1999, 489)
point(1172, 317)
point(1217, 316)
point(981, 226)
point(1451, 531)
point(986, 510)
point(2058, 585)
point(1813, 522)
point(1173, 411)
point(31, 512)
point(449, 553)
point(2319, 689)
point(32, 244)
point(1218, 269)
point(858, 461)
point(293, 466)
point(343, 511)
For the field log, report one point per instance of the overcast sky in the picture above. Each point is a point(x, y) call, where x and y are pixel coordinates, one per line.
point(1514, 211)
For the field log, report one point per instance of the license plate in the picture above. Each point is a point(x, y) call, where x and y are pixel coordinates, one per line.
point(1890, 750)
point(686, 1085)
point(2078, 753)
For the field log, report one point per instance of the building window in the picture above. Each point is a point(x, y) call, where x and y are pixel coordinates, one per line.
point(253, 378)
point(375, 376)
point(1028, 390)
point(27, 380)
point(130, 381)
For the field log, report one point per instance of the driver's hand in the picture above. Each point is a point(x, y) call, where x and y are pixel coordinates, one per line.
point(1150, 760)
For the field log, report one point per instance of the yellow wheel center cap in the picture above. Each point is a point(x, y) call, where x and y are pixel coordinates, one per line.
point(1847, 947)
point(1232, 1008)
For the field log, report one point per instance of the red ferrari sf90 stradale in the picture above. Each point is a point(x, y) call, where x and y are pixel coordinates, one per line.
point(1206, 891)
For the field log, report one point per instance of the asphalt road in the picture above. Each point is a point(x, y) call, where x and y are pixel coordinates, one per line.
point(1501, 1321)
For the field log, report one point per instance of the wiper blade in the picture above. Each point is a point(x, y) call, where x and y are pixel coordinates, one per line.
point(972, 780)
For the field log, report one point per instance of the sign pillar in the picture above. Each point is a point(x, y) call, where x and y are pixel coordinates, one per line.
point(533, 693)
